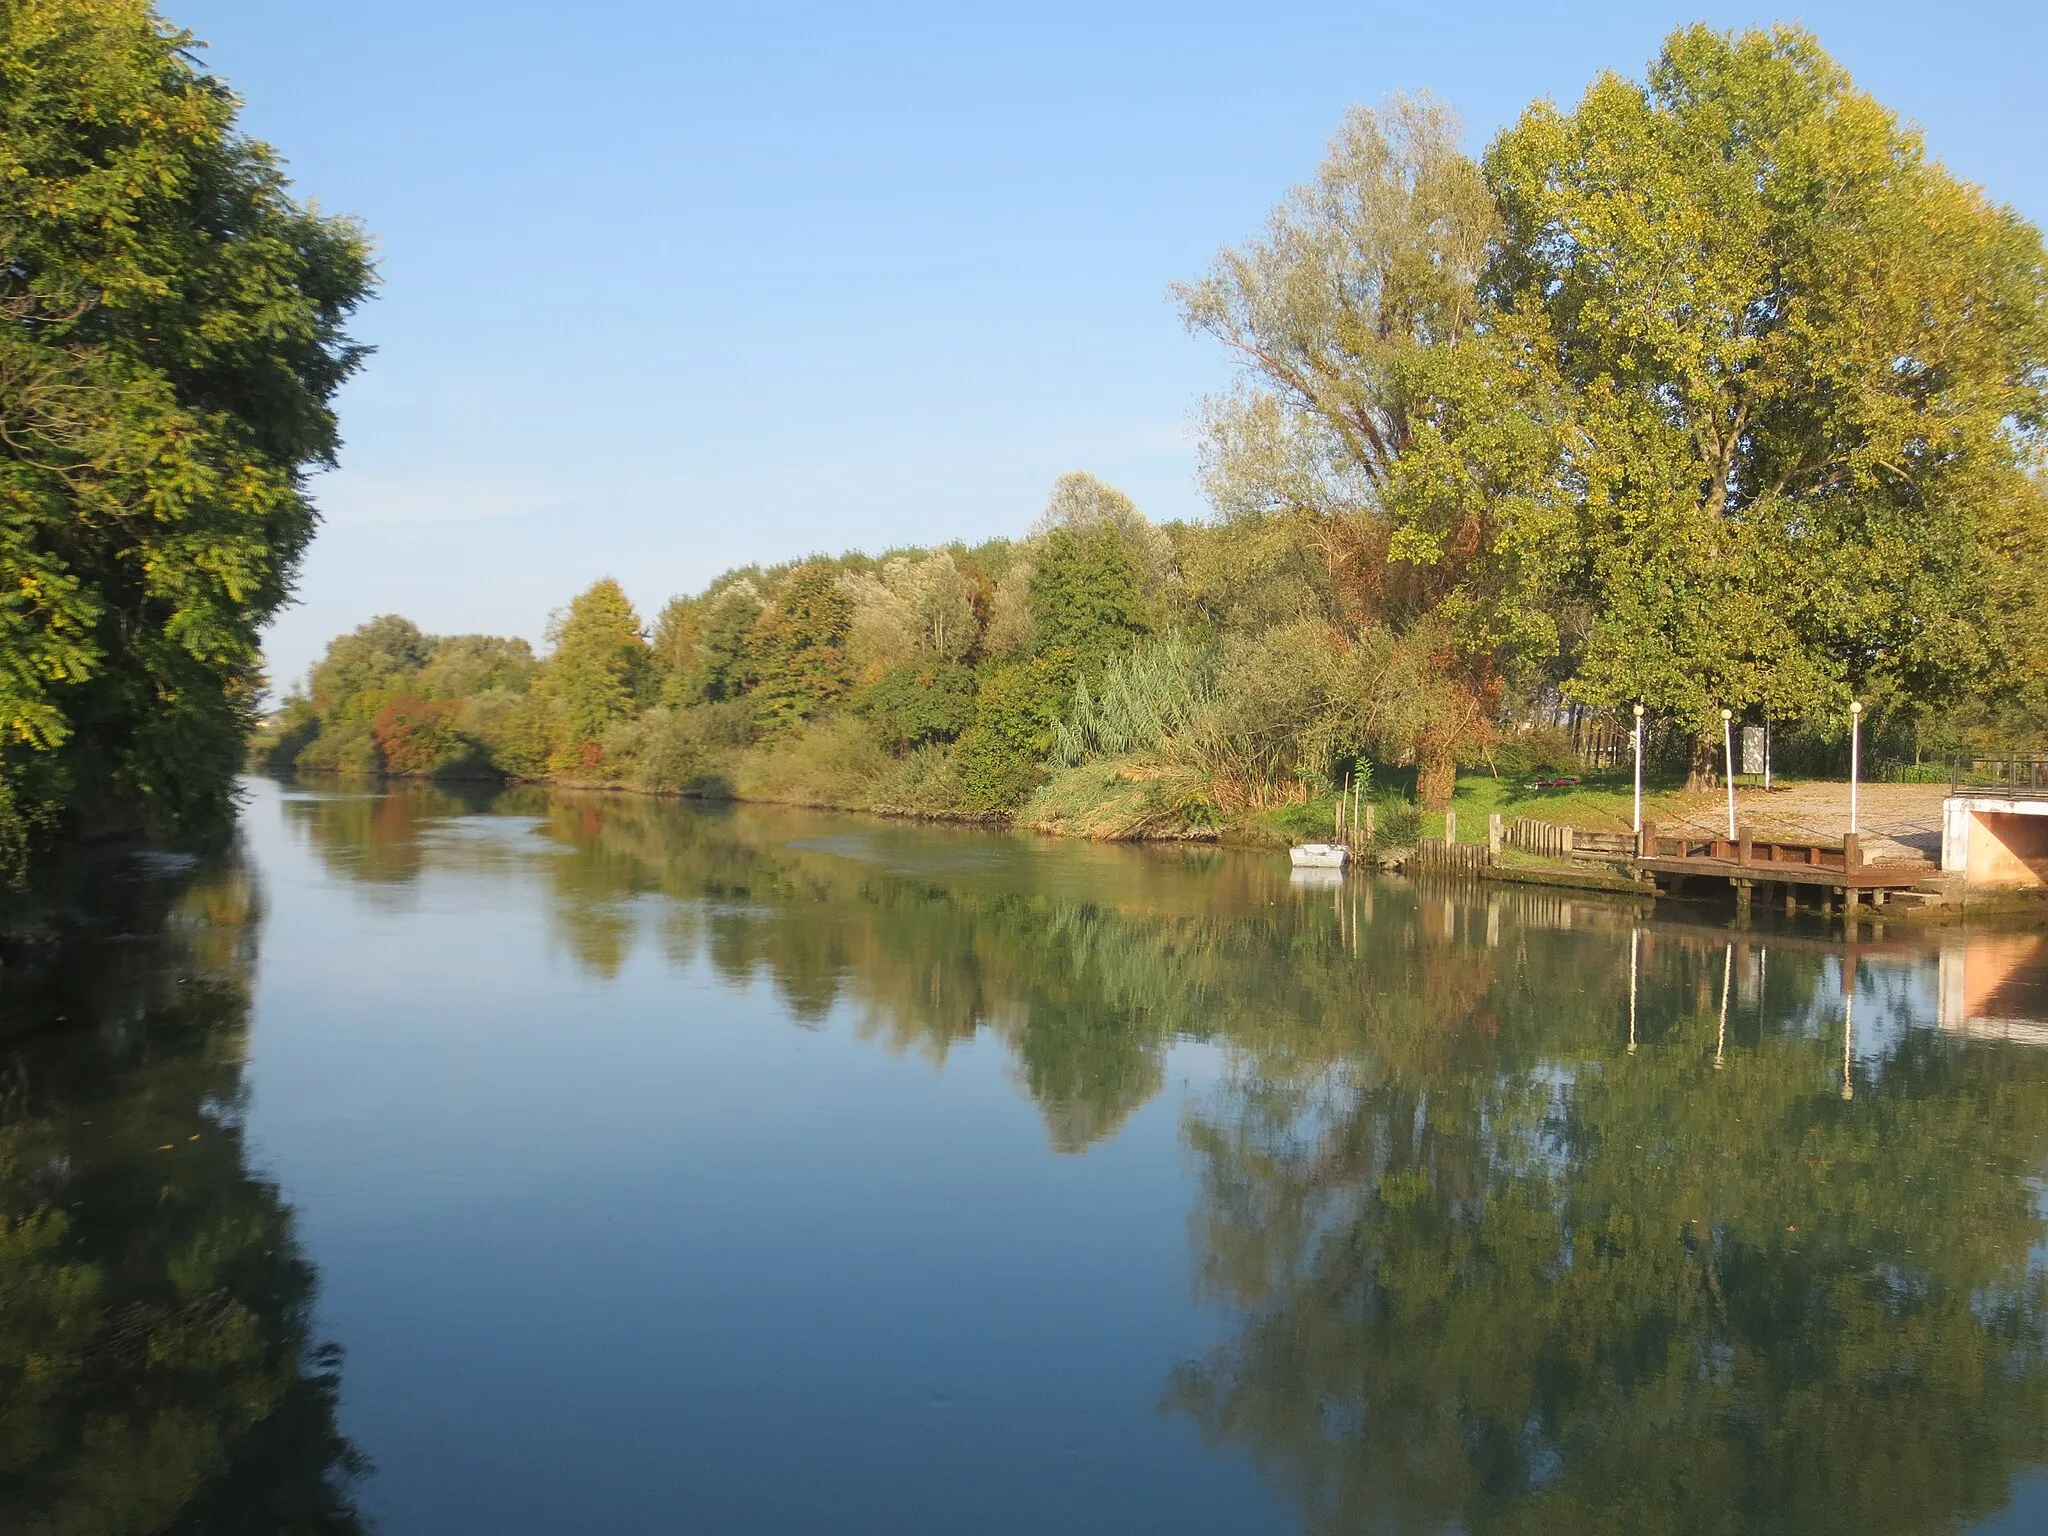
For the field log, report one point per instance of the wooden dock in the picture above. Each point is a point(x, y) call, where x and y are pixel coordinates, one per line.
point(1840, 874)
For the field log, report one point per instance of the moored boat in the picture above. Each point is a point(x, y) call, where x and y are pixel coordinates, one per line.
point(1318, 855)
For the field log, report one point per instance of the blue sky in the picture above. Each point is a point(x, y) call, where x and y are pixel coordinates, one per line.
point(673, 287)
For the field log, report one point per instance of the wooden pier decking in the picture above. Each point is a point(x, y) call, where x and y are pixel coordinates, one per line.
point(1745, 863)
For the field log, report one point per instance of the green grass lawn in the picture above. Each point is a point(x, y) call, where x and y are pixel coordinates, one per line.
point(1599, 803)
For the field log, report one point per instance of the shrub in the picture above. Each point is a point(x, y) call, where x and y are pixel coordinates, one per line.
point(415, 735)
point(1000, 757)
point(522, 733)
point(828, 762)
point(1396, 823)
point(348, 748)
point(659, 752)
point(277, 748)
point(918, 705)
point(921, 784)
point(1543, 749)
point(726, 724)
point(1110, 801)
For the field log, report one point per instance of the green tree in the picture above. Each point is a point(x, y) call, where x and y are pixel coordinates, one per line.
point(1360, 321)
point(704, 646)
point(383, 653)
point(1087, 595)
point(1806, 364)
point(1001, 756)
point(678, 632)
point(600, 664)
point(1080, 503)
point(910, 609)
point(799, 644)
point(918, 705)
point(173, 340)
point(463, 666)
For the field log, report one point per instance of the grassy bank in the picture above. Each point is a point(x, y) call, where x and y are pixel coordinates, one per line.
point(837, 765)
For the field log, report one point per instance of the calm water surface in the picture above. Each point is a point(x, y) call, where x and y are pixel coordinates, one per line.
point(502, 1164)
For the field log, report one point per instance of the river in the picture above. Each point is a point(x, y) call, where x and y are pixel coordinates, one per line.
point(512, 1163)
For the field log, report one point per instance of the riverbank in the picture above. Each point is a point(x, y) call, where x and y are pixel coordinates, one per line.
point(1114, 800)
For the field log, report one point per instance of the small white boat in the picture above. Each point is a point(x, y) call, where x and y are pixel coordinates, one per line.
point(1318, 855)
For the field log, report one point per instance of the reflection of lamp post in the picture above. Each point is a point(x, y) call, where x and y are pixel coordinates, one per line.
point(1639, 770)
point(1728, 747)
point(1727, 980)
point(1849, 1030)
point(1634, 938)
point(1855, 755)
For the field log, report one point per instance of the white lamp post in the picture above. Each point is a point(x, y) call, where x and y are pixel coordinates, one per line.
point(1855, 755)
point(1728, 747)
point(1639, 770)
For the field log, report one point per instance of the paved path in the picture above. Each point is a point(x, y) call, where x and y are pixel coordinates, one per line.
point(1897, 821)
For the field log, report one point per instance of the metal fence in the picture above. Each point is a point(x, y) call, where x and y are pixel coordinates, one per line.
point(2017, 772)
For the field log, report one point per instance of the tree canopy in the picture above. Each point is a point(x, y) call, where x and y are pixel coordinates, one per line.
point(174, 337)
point(1804, 365)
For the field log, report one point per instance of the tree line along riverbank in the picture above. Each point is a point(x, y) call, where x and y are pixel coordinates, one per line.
point(1715, 392)
point(1511, 438)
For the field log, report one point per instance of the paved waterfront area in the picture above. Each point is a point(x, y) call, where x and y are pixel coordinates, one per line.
point(1897, 821)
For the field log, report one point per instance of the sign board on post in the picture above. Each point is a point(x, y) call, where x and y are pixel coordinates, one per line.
point(1753, 749)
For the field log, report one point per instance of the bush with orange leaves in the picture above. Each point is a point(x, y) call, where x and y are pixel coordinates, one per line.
point(416, 735)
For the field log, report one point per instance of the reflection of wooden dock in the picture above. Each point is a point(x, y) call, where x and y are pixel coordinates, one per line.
point(1841, 874)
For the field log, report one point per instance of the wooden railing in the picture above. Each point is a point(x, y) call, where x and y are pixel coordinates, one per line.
point(1687, 843)
point(1559, 842)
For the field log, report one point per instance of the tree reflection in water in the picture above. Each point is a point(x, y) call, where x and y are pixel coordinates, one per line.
point(157, 1368)
point(1508, 1241)
point(1572, 1289)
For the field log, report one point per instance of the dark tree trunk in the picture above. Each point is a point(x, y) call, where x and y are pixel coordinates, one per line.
point(1704, 772)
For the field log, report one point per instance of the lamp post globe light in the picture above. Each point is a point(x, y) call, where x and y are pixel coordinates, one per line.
point(1855, 755)
point(1638, 740)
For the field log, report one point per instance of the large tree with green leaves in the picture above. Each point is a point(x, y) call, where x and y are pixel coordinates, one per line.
point(600, 665)
point(800, 642)
point(1371, 373)
point(1806, 365)
point(173, 341)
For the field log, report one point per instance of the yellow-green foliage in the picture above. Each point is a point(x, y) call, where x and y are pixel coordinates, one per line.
point(1715, 391)
point(171, 339)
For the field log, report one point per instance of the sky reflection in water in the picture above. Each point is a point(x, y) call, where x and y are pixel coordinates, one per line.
point(664, 1167)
